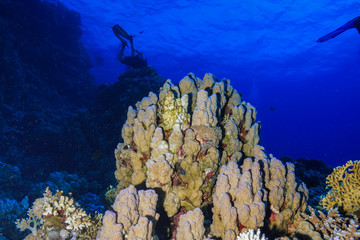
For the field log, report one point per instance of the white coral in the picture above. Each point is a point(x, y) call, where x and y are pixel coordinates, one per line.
point(251, 235)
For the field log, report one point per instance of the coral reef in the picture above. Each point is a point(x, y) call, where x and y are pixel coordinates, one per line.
point(313, 173)
point(178, 140)
point(344, 189)
point(44, 80)
point(191, 136)
point(134, 216)
point(46, 119)
point(251, 235)
point(10, 181)
point(10, 210)
point(67, 182)
point(262, 192)
point(57, 216)
point(112, 100)
point(191, 226)
point(331, 226)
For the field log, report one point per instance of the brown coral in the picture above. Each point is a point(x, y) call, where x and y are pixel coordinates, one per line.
point(331, 226)
point(134, 215)
point(250, 197)
point(199, 127)
point(176, 142)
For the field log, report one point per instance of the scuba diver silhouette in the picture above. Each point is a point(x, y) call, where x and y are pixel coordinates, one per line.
point(354, 23)
point(136, 60)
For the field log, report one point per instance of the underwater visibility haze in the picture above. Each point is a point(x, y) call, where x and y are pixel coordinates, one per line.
point(69, 70)
point(267, 49)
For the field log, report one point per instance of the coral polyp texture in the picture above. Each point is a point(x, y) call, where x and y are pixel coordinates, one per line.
point(196, 145)
point(344, 191)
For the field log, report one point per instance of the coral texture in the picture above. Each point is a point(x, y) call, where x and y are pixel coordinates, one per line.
point(191, 136)
point(331, 226)
point(134, 217)
point(251, 235)
point(191, 225)
point(55, 216)
point(344, 193)
point(177, 141)
point(261, 192)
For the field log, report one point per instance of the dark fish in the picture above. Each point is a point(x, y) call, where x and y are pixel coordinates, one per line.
point(355, 23)
point(272, 109)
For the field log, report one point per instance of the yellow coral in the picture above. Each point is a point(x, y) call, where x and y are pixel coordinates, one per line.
point(60, 215)
point(344, 182)
point(173, 111)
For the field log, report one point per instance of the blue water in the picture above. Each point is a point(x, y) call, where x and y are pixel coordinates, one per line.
point(306, 93)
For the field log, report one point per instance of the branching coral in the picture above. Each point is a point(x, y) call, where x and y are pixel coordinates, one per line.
point(251, 235)
point(331, 226)
point(344, 182)
point(31, 222)
point(57, 216)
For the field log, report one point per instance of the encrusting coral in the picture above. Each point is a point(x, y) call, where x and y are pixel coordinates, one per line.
point(344, 182)
point(58, 217)
point(179, 141)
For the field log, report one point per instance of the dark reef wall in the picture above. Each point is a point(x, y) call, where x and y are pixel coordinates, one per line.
point(44, 80)
point(52, 116)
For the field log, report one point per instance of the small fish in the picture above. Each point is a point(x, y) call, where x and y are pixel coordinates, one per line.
point(354, 23)
point(182, 171)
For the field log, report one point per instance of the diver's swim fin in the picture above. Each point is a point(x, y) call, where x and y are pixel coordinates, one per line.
point(354, 23)
point(119, 31)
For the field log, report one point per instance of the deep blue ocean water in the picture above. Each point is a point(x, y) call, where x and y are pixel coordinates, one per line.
point(306, 93)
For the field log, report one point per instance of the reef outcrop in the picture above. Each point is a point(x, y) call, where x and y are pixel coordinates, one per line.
point(197, 145)
point(178, 140)
point(44, 82)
